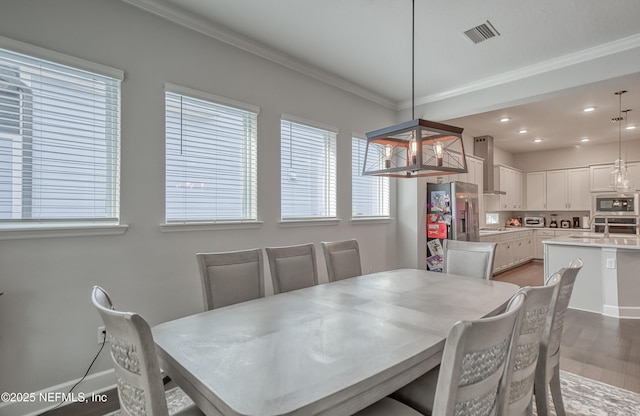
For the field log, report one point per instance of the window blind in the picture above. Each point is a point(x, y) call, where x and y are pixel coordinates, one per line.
point(59, 142)
point(369, 194)
point(308, 171)
point(210, 161)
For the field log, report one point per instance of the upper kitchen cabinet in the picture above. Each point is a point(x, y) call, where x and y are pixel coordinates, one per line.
point(509, 180)
point(600, 176)
point(536, 191)
point(559, 190)
point(578, 196)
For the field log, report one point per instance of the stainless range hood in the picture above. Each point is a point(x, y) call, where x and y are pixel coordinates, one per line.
point(483, 147)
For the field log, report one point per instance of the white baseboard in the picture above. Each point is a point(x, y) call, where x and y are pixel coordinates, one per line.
point(40, 401)
point(629, 312)
point(624, 312)
point(612, 311)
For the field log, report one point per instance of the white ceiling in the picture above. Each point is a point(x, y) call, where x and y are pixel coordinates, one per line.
point(364, 46)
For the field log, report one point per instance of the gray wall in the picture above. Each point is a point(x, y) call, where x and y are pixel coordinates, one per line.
point(48, 327)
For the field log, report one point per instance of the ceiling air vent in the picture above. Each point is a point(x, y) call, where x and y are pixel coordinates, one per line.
point(481, 33)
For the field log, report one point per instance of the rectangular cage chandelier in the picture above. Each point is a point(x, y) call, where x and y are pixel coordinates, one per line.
point(415, 148)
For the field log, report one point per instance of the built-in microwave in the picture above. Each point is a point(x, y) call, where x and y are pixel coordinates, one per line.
point(615, 204)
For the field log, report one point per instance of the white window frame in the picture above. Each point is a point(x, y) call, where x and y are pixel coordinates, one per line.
point(190, 221)
point(60, 227)
point(326, 192)
point(381, 197)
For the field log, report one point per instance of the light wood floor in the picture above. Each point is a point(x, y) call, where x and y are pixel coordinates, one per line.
point(593, 346)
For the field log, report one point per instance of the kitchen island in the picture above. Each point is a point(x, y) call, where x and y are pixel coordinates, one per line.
point(609, 282)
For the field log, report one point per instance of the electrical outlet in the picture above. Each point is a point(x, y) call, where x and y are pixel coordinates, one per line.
point(102, 334)
point(611, 263)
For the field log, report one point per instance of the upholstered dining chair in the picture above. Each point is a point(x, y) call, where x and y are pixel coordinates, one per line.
point(469, 258)
point(548, 367)
point(231, 277)
point(292, 267)
point(133, 352)
point(342, 259)
point(518, 386)
point(469, 379)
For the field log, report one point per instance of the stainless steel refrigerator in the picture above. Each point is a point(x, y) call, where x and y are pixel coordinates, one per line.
point(452, 213)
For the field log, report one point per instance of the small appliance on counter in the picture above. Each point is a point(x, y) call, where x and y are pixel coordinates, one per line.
point(576, 222)
point(554, 222)
point(585, 223)
point(514, 222)
point(537, 222)
point(565, 224)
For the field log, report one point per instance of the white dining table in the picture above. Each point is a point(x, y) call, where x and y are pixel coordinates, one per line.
point(330, 349)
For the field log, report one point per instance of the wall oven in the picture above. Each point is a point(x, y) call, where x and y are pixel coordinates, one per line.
point(616, 224)
point(615, 204)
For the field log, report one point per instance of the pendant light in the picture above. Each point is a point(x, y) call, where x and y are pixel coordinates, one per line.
point(620, 181)
point(417, 147)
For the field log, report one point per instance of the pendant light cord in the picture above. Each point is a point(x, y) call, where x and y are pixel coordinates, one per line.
point(413, 57)
point(619, 121)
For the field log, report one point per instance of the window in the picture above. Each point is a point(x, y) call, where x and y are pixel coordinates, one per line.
point(308, 171)
point(210, 158)
point(369, 194)
point(59, 141)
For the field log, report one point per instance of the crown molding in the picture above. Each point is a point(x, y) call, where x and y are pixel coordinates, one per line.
point(585, 55)
point(225, 35)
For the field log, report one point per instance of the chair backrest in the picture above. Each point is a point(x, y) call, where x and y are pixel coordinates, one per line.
point(342, 259)
point(231, 277)
point(292, 267)
point(469, 258)
point(550, 343)
point(133, 352)
point(475, 357)
point(518, 385)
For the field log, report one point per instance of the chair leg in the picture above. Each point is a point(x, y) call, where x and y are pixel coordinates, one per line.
point(540, 393)
point(556, 393)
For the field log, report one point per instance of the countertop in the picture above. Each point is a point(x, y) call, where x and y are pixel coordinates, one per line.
point(502, 230)
point(587, 239)
point(494, 231)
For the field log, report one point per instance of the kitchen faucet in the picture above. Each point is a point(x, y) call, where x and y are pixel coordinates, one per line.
point(606, 224)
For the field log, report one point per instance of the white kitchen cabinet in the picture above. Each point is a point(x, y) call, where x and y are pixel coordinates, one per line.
point(559, 190)
point(634, 174)
point(516, 186)
point(578, 196)
point(511, 181)
point(539, 237)
point(600, 176)
point(536, 191)
point(512, 249)
point(556, 190)
point(504, 257)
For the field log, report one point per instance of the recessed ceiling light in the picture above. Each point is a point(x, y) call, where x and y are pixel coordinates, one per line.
point(584, 139)
point(523, 131)
point(505, 119)
point(589, 109)
point(631, 127)
point(537, 140)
